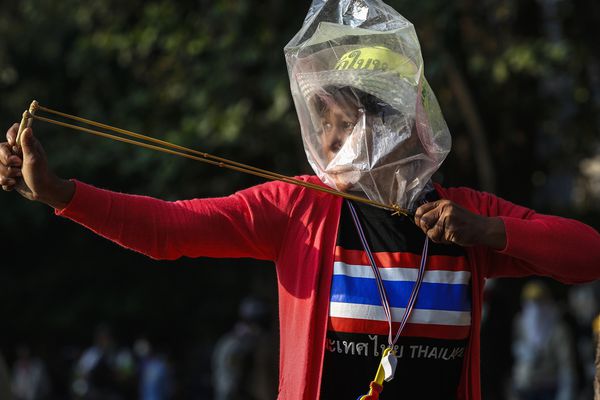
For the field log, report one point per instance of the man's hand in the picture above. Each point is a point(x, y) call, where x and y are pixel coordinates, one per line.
point(28, 172)
point(446, 222)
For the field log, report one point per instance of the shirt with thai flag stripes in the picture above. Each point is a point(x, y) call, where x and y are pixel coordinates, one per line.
point(431, 348)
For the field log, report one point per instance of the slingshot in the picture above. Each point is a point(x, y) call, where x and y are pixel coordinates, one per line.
point(166, 147)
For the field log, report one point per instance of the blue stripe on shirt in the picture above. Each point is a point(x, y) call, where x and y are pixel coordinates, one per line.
point(432, 296)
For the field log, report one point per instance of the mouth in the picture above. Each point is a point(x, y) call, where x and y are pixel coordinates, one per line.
point(342, 183)
point(344, 187)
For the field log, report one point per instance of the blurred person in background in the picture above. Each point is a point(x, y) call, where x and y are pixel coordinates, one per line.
point(244, 359)
point(584, 307)
point(30, 379)
point(544, 360)
point(104, 372)
point(153, 371)
point(371, 126)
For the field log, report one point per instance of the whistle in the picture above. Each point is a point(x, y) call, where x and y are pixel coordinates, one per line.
point(376, 385)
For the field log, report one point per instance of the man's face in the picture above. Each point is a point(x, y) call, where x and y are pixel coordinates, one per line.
point(347, 123)
point(375, 132)
point(337, 121)
point(339, 131)
point(363, 144)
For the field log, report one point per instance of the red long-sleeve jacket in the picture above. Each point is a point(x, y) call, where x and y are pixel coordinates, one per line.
point(297, 229)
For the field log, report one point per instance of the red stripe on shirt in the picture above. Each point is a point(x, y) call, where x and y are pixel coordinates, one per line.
point(401, 259)
point(350, 325)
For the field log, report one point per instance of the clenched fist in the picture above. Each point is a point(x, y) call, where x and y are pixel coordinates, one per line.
point(26, 171)
point(444, 221)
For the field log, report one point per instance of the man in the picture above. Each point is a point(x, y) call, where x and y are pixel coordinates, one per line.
point(543, 348)
point(360, 291)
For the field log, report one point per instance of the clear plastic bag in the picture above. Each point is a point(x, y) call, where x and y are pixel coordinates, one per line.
point(370, 122)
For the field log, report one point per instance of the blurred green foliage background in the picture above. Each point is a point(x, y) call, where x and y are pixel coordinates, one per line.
point(518, 81)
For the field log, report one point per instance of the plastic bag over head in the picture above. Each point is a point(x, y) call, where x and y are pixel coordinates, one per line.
point(369, 120)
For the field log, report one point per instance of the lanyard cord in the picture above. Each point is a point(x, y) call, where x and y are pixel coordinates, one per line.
point(382, 293)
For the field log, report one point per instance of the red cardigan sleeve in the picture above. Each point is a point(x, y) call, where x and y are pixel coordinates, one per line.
point(537, 244)
point(249, 223)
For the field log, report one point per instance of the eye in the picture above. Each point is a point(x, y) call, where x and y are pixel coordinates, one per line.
point(348, 126)
point(326, 126)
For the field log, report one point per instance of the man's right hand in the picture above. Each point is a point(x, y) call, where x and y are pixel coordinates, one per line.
point(26, 170)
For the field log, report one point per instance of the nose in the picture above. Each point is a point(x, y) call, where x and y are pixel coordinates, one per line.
point(338, 136)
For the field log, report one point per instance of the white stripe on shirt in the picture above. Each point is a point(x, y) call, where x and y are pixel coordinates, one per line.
point(418, 316)
point(402, 274)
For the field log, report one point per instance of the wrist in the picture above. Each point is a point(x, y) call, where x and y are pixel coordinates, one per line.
point(494, 233)
point(59, 193)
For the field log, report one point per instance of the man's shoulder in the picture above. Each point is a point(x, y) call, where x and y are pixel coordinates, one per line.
point(282, 194)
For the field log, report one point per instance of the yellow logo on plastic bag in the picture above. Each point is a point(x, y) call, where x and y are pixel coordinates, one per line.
point(376, 58)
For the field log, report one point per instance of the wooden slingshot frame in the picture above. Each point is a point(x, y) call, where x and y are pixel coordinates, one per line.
point(166, 147)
